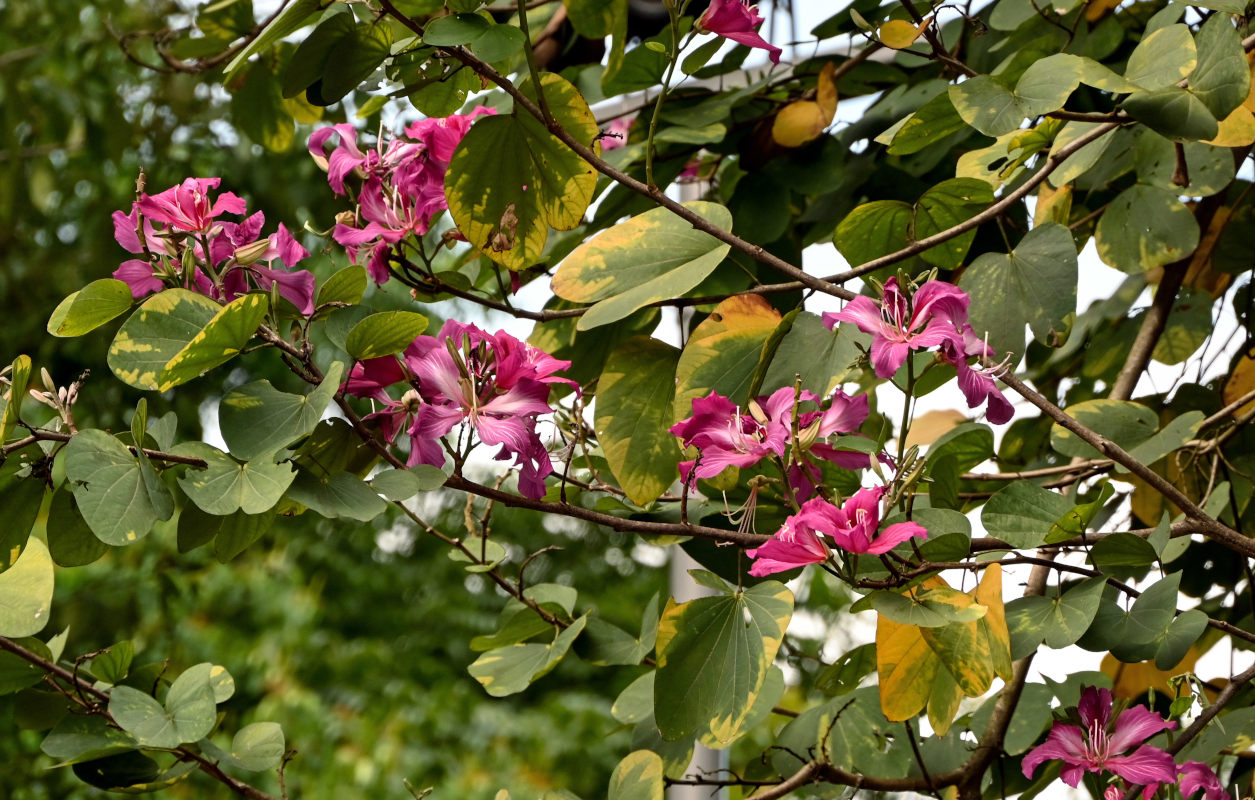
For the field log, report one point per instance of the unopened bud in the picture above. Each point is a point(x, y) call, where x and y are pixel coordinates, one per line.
point(411, 401)
point(346, 218)
point(807, 436)
point(250, 253)
point(756, 411)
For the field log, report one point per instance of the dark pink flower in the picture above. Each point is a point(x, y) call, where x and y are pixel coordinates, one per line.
point(738, 21)
point(727, 437)
point(791, 547)
point(1196, 775)
point(188, 206)
point(1097, 746)
point(616, 134)
point(978, 384)
point(936, 313)
point(466, 375)
point(853, 526)
point(403, 189)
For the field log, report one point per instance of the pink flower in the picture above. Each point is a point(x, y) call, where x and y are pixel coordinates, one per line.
point(738, 21)
point(180, 222)
point(616, 134)
point(978, 384)
point(188, 207)
point(1100, 747)
point(466, 375)
point(936, 313)
point(404, 183)
point(726, 437)
point(1196, 775)
point(852, 527)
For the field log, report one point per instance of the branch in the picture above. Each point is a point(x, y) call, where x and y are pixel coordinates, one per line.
point(1208, 526)
point(86, 687)
point(40, 435)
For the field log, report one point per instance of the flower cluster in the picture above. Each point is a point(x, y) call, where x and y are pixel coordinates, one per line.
point(183, 243)
point(852, 527)
point(934, 316)
point(403, 183)
point(738, 21)
point(1098, 745)
point(726, 436)
point(494, 383)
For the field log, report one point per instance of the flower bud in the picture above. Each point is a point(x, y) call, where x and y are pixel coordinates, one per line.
point(756, 411)
point(250, 253)
point(346, 218)
point(807, 436)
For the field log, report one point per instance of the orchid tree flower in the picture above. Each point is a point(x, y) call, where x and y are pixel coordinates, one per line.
point(403, 189)
point(467, 376)
point(852, 527)
point(1196, 776)
point(738, 21)
point(188, 206)
point(725, 436)
point(1099, 746)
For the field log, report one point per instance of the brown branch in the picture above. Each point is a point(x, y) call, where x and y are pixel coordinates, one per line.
point(86, 687)
point(1208, 526)
point(40, 435)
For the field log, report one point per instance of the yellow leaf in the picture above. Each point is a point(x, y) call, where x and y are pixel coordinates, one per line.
point(1237, 129)
point(929, 426)
point(1100, 8)
point(1241, 381)
point(1132, 680)
point(994, 624)
point(900, 34)
point(1200, 275)
point(1053, 205)
point(803, 121)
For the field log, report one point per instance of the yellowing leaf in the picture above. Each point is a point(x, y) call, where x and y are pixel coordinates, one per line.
point(1132, 680)
point(723, 351)
point(935, 667)
point(803, 121)
point(1237, 129)
point(900, 34)
point(929, 426)
point(1053, 205)
point(1241, 381)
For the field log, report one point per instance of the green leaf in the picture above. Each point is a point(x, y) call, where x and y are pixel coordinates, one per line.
point(353, 58)
point(21, 500)
point(71, 541)
point(1183, 632)
point(1047, 83)
point(220, 341)
point(988, 106)
point(112, 665)
point(1189, 326)
point(1173, 112)
point(19, 379)
point(402, 484)
point(1035, 283)
point(79, 737)
point(942, 207)
point(227, 485)
point(920, 612)
point(1222, 78)
point(258, 420)
point(1163, 58)
point(338, 495)
point(235, 532)
point(596, 19)
point(257, 108)
point(90, 307)
point(190, 704)
point(635, 402)
point(931, 123)
point(714, 654)
point(346, 286)
point(17, 673)
point(308, 64)
point(820, 356)
point(1126, 423)
point(510, 180)
point(1073, 611)
point(509, 670)
point(873, 229)
point(143, 717)
point(651, 257)
point(258, 747)
point(637, 777)
point(290, 19)
point(722, 353)
point(1022, 513)
point(1077, 164)
point(969, 444)
point(384, 333)
point(158, 331)
point(1122, 550)
point(113, 496)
